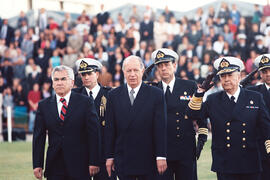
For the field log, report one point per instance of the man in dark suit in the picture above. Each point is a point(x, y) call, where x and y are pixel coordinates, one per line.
point(135, 129)
point(236, 116)
point(263, 63)
point(147, 29)
point(6, 32)
point(71, 122)
point(181, 143)
point(89, 70)
point(103, 15)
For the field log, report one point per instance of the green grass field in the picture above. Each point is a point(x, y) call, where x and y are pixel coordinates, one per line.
point(16, 162)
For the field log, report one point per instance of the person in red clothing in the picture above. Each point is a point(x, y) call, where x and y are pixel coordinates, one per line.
point(34, 96)
point(266, 12)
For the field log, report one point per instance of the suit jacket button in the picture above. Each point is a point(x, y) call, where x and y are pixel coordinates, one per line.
point(228, 131)
point(228, 138)
point(178, 128)
point(244, 146)
point(244, 139)
point(228, 123)
point(178, 135)
point(177, 120)
point(244, 132)
point(228, 145)
point(177, 113)
point(244, 124)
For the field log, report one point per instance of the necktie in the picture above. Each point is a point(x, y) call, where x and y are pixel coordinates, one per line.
point(131, 96)
point(167, 94)
point(91, 94)
point(233, 100)
point(63, 109)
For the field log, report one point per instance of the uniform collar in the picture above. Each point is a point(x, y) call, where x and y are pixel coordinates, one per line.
point(171, 85)
point(236, 94)
point(95, 91)
point(267, 87)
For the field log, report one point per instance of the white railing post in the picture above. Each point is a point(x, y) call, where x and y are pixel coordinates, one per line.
point(9, 124)
point(1, 112)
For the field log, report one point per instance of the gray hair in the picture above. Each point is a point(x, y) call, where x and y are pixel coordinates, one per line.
point(132, 58)
point(63, 68)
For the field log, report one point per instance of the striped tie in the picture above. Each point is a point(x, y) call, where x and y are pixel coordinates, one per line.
point(64, 109)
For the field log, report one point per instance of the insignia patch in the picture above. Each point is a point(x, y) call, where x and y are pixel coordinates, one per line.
point(102, 107)
point(252, 107)
point(185, 98)
point(83, 65)
point(224, 63)
point(160, 54)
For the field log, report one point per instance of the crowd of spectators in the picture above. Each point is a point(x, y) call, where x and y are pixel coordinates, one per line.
point(28, 54)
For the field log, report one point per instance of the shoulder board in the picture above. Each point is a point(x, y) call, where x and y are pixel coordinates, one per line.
point(151, 83)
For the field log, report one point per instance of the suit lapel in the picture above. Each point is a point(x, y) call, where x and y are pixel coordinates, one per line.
point(125, 105)
point(53, 108)
point(138, 103)
point(84, 91)
point(71, 106)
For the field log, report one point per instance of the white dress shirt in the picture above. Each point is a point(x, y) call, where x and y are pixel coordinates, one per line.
point(136, 90)
point(267, 87)
point(60, 104)
point(236, 94)
point(95, 91)
point(171, 85)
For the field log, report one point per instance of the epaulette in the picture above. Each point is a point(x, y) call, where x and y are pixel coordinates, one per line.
point(151, 83)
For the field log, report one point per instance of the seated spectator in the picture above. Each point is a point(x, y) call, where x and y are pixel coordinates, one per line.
point(105, 78)
point(147, 59)
point(55, 60)
point(46, 90)
point(7, 71)
point(83, 17)
point(70, 58)
point(34, 96)
point(31, 67)
point(20, 96)
point(2, 84)
point(249, 65)
point(7, 100)
point(118, 74)
point(19, 65)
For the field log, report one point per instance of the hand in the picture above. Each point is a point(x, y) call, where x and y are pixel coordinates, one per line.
point(161, 165)
point(93, 170)
point(207, 83)
point(38, 173)
point(110, 166)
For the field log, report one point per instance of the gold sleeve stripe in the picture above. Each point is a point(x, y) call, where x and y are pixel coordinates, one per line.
point(267, 145)
point(195, 103)
point(203, 131)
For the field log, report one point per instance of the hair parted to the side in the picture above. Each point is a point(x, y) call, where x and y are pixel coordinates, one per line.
point(64, 68)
